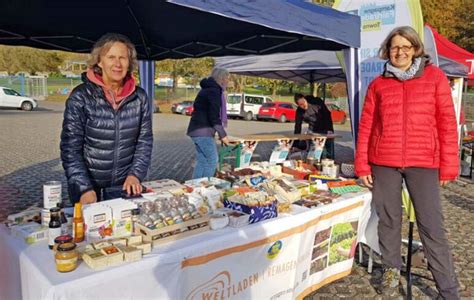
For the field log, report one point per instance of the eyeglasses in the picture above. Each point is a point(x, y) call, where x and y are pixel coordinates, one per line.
point(404, 49)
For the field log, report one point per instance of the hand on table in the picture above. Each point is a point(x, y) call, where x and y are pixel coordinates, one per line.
point(367, 180)
point(132, 185)
point(88, 197)
point(225, 140)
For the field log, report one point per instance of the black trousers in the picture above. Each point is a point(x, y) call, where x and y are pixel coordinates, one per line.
point(423, 186)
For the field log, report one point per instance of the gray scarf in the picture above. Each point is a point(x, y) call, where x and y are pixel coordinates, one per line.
point(405, 75)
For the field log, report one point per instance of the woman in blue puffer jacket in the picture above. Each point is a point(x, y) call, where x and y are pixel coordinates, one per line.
point(107, 137)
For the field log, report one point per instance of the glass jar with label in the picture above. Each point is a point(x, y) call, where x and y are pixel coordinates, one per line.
point(66, 257)
point(62, 239)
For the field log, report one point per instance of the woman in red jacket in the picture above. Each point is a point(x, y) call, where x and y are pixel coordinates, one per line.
point(408, 132)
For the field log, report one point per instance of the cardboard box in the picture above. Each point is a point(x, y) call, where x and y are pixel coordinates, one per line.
point(30, 232)
point(300, 174)
point(95, 259)
point(98, 221)
point(257, 213)
point(121, 216)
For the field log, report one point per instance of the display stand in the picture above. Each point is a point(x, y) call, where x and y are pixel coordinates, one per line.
point(242, 148)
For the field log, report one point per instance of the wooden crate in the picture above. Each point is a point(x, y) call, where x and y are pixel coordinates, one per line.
point(156, 235)
point(300, 174)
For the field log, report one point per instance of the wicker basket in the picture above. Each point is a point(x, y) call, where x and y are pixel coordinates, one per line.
point(347, 170)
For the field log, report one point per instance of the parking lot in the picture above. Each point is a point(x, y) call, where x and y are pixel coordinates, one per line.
point(29, 156)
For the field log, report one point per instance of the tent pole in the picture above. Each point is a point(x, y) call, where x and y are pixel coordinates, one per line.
point(324, 92)
point(311, 83)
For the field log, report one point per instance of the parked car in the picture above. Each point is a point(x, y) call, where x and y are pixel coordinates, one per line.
point(11, 98)
point(281, 111)
point(245, 105)
point(189, 110)
point(337, 114)
point(180, 108)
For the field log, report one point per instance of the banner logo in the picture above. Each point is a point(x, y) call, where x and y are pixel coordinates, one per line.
point(221, 287)
point(274, 250)
point(374, 16)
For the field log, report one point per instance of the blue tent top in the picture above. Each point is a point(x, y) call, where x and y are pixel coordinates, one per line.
point(302, 67)
point(452, 68)
point(180, 28)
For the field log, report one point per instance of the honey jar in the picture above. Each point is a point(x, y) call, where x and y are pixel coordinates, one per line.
point(62, 239)
point(66, 257)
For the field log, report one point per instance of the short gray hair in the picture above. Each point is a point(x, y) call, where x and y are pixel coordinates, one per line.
point(104, 44)
point(219, 74)
point(406, 32)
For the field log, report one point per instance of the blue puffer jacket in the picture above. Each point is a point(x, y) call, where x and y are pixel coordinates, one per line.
point(100, 147)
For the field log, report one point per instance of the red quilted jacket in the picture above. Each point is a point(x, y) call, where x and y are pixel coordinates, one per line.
point(409, 124)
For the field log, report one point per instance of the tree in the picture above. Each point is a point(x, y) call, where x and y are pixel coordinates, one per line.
point(192, 69)
point(16, 59)
point(329, 3)
point(339, 90)
point(272, 85)
point(453, 19)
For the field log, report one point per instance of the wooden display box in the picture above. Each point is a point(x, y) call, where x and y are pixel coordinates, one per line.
point(173, 232)
point(300, 174)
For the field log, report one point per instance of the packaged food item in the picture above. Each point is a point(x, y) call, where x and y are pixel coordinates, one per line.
point(285, 191)
point(62, 216)
point(95, 259)
point(62, 239)
point(119, 242)
point(98, 221)
point(66, 257)
point(30, 232)
point(113, 254)
point(51, 194)
point(218, 221)
point(131, 254)
point(144, 246)
point(135, 216)
point(121, 216)
point(45, 217)
point(101, 244)
point(238, 219)
point(23, 217)
point(54, 226)
point(165, 185)
point(78, 223)
point(134, 240)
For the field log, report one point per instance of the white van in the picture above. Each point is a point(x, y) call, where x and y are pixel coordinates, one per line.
point(247, 108)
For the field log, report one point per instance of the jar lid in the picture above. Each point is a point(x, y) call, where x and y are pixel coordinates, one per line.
point(54, 209)
point(66, 247)
point(66, 238)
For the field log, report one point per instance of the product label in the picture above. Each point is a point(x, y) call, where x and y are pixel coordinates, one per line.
point(99, 218)
point(51, 195)
point(52, 234)
point(66, 261)
point(126, 214)
point(78, 230)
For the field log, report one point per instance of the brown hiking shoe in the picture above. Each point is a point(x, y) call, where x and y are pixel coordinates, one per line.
point(389, 283)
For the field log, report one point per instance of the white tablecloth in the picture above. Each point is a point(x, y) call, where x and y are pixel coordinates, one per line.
point(28, 271)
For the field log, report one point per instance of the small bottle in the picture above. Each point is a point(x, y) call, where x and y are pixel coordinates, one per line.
point(64, 229)
point(78, 223)
point(54, 226)
point(135, 215)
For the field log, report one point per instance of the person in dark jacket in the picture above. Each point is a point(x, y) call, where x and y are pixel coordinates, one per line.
point(107, 138)
point(209, 116)
point(314, 111)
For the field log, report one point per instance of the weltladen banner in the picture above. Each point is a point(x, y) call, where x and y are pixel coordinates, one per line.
point(287, 265)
